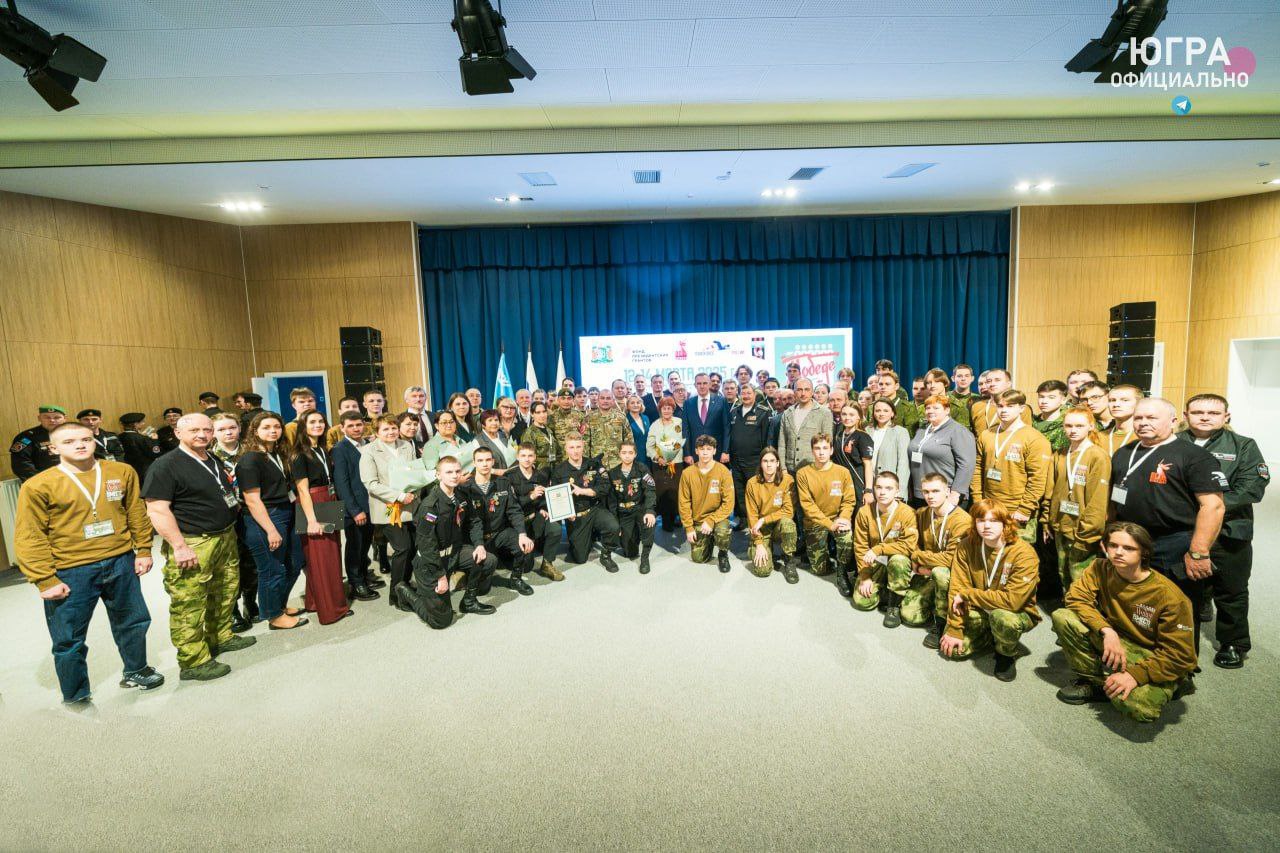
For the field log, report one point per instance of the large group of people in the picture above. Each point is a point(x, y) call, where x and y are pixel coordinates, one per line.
point(941, 507)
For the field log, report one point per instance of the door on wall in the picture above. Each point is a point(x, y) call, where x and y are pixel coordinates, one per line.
point(280, 384)
point(1253, 387)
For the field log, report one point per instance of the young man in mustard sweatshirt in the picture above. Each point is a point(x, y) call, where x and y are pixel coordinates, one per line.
point(706, 502)
point(1013, 465)
point(884, 535)
point(827, 499)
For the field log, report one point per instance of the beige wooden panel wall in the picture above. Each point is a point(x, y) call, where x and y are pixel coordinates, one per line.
point(115, 309)
point(1075, 262)
point(1236, 288)
point(306, 281)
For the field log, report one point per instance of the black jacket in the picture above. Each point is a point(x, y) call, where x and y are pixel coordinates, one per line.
point(524, 486)
point(636, 488)
point(498, 509)
point(587, 476)
point(444, 525)
point(1240, 460)
point(109, 446)
point(748, 435)
point(31, 453)
point(139, 451)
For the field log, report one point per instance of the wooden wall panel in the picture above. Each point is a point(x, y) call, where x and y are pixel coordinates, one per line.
point(1236, 285)
point(116, 309)
point(306, 281)
point(1075, 262)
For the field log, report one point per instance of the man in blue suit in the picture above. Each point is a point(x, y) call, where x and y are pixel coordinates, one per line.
point(706, 414)
point(355, 499)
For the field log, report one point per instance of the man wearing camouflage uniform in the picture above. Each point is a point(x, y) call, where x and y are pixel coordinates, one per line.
point(606, 428)
point(565, 421)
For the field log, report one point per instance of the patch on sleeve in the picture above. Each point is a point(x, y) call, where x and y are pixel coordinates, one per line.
point(648, 479)
point(1263, 471)
point(19, 446)
point(428, 516)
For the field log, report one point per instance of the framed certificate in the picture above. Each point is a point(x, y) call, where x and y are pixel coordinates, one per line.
point(560, 502)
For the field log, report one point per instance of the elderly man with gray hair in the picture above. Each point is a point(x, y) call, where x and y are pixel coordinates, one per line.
point(1174, 490)
point(415, 401)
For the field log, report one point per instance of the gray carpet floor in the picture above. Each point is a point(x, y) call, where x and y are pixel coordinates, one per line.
point(680, 710)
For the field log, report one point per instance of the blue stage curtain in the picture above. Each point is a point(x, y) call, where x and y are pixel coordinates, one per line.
point(923, 290)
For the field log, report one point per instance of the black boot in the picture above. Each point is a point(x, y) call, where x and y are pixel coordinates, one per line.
point(644, 559)
point(1006, 669)
point(519, 584)
point(363, 593)
point(933, 637)
point(788, 569)
point(723, 562)
point(606, 560)
point(471, 604)
point(1206, 609)
point(251, 609)
point(892, 616)
point(402, 597)
point(239, 624)
point(374, 582)
point(842, 583)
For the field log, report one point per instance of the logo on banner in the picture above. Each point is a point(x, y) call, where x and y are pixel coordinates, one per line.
point(602, 355)
point(719, 346)
point(817, 356)
point(757, 348)
point(681, 352)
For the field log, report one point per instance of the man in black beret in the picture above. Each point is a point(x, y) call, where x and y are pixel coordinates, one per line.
point(30, 453)
point(165, 436)
point(109, 446)
point(140, 449)
point(209, 403)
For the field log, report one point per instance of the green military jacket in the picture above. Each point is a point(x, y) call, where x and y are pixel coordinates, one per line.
point(1241, 462)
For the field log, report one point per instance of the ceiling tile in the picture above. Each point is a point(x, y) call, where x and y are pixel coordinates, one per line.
point(798, 41)
point(956, 39)
point(58, 16)
point(683, 84)
point(654, 9)
point(604, 44)
point(418, 11)
point(871, 8)
point(219, 14)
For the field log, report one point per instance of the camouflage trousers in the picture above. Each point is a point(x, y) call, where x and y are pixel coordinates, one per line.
point(1027, 532)
point(815, 544)
point(1072, 560)
point(916, 590)
point(1000, 629)
point(784, 532)
point(1083, 649)
point(701, 550)
point(941, 591)
point(201, 599)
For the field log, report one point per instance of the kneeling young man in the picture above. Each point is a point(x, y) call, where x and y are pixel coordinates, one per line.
point(993, 591)
point(592, 518)
point(1127, 631)
point(827, 499)
point(635, 503)
point(496, 503)
point(450, 538)
point(770, 517)
point(706, 502)
point(530, 485)
point(884, 535)
point(943, 529)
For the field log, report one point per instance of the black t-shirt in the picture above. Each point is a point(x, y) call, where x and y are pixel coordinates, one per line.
point(1160, 493)
point(256, 471)
point(312, 467)
point(849, 450)
point(194, 490)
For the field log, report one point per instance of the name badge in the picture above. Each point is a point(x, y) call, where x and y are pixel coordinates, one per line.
point(1118, 494)
point(777, 499)
point(230, 499)
point(115, 494)
point(333, 493)
point(892, 534)
point(994, 475)
point(1069, 508)
point(292, 497)
point(98, 529)
point(109, 458)
point(837, 489)
point(917, 457)
point(713, 488)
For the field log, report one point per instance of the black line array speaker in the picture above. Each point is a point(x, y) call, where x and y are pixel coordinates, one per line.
point(1131, 344)
point(361, 360)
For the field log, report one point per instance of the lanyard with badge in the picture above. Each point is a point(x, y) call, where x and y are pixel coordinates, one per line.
point(991, 573)
point(994, 474)
point(101, 441)
point(324, 461)
point(880, 529)
point(228, 495)
point(1071, 507)
point(1119, 493)
point(275, 460)
point(95, 528)
point(917, 455)
point(939, 533)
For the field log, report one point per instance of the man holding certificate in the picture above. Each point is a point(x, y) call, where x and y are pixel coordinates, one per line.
point(590, 487)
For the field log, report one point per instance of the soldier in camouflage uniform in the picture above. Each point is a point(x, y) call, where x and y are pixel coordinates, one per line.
point(606, 428)
point(566, 421)
point(539, 435)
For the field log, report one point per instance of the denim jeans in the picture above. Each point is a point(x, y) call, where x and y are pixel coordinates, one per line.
point(278, 570)
point(112, 580)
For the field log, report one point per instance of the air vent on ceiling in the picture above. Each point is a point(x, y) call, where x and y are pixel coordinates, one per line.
point(538, 179)
point(910, 169)
point(647, 176)
point(808, 173)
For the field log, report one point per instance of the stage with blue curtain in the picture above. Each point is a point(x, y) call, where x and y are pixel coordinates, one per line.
point(923, 290)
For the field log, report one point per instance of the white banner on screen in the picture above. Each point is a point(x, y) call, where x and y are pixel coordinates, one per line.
point(820, 353)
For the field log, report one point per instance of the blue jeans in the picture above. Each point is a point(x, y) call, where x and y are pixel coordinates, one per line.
point(113, 581)
point(278, 570)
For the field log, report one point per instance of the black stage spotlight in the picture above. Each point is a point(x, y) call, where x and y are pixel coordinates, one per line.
point(1132, 21)
point(487, 63)
point(53, 65)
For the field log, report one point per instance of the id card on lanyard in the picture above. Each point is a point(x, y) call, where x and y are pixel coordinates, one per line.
point(1119, 493)
point(275, 460)
point(96, 528)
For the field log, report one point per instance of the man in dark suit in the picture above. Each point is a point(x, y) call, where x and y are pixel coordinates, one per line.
point(651, 399)
point(706, 414)
point(355, 499)
point(415, 400)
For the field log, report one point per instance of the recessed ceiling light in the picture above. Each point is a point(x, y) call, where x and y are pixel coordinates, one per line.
point(511, 199)
point(790, 192)
point(241, 206)
point(1274, 181)
point(767, 193)
point(1023, 186)
point(1044, 186)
